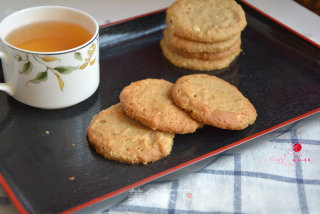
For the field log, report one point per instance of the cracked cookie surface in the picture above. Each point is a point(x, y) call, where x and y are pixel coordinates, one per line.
point(206, 20)
point(149, 101)
point(118, 137)
point(213, 101)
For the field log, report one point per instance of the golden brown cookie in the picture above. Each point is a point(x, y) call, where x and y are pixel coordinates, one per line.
point(206, 20)
point(149, 101)
point(213, 101)
point(116, 136)
point(199, 47)
point(196, 64)
point(206, 55)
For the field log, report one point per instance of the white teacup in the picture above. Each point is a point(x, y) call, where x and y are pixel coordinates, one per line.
point(50, 80)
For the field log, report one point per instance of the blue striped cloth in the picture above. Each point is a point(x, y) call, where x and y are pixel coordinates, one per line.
point(276, 173)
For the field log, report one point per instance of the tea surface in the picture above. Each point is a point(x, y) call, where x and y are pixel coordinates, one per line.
point(49, 36)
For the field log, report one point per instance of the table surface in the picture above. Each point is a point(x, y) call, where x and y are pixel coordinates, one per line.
point(279, 172)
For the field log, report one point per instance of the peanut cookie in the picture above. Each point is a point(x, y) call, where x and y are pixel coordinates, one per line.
point(149, 101)
point(196, 64)
point(206, 55)
point(116, 136)
point(213, 101)
point(206, 20)
point(199, 47)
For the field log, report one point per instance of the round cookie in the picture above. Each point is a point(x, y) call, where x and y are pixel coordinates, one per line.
point(206, 20)
point(118, 137)
point(213, 101)
point(196, 64)
point(205, 55)
point(198, 47)
point(149, 101)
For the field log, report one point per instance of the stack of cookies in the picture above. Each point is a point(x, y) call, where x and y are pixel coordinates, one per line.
point(203, 34)
point(141, 128)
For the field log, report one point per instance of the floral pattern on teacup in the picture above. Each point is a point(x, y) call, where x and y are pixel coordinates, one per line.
point(58, 71)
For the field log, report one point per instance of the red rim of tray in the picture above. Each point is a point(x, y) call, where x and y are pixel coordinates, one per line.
point(15, 201)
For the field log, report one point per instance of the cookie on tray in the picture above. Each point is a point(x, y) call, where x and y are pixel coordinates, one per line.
point(199, 47)
point(203, 35)
point(118, 137)
point(206, 55)
point(206, 20)
point(213, 101)
point(194, 63)
point(149, 101)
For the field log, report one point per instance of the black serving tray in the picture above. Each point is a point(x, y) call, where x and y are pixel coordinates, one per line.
point(277, 71)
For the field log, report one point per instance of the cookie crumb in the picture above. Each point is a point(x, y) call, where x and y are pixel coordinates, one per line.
point(72, 178)
point(47, 132)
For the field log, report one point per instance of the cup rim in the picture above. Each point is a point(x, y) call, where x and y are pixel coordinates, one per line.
point(95, 35)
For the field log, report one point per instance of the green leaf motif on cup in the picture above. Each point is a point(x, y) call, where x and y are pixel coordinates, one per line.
point(26, 68)
point(29, 60)
point(41, 76)
point(18, 57)
point(78, 55)
point(65, 69)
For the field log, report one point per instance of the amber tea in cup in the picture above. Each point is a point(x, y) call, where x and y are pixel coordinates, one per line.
point(49, 36)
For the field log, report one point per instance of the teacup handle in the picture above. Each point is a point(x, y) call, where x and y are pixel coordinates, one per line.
point(5, 86)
